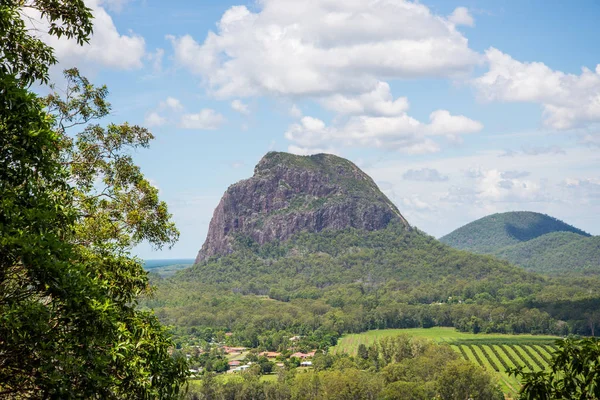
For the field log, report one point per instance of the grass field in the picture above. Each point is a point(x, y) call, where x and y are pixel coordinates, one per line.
point(494, 352)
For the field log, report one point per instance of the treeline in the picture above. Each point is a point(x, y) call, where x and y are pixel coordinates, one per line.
point(394, 368)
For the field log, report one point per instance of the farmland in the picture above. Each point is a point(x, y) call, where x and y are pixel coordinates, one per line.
point(494, 352)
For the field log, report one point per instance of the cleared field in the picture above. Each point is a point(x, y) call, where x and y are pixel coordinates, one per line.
point(494, 352)
point(349, 343)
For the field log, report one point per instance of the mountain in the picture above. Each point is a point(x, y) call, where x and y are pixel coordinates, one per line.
point(309, 246)
point(289, 194)
point(490, 234)
point(534, 241)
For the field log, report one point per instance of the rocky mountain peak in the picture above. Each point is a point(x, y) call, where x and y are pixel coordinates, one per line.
point(288, 194)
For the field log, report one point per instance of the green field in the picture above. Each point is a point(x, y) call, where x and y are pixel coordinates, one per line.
point(494, 352)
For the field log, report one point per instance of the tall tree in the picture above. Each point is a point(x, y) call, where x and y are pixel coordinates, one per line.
point(71, 210)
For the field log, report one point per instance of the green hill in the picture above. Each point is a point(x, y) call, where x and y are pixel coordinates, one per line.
point(490, 234)
point(534, 241)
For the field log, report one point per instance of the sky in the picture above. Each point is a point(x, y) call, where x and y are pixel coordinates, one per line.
point(457, 109)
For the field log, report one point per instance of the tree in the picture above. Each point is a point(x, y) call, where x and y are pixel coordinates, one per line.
point(69, 323)
point(574, 374)
point(24, 56)
point(461, 380)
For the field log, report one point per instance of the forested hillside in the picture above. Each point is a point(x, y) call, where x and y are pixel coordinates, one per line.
point(534, 241)
point(494, 232)
point(556, 253)
point(325, 284)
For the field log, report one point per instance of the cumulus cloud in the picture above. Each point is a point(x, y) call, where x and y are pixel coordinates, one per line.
point(568, 100)
point(402, 132)
point(240, 107)
point(154, 119)
point(107, 47)
point(171, 103)
point(424, 174)
point(287, 48)
point(206, 119)
point(461, 16)
point(494, 186)
point(379, 101)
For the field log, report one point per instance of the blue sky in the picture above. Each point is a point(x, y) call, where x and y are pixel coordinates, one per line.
point(456, 109)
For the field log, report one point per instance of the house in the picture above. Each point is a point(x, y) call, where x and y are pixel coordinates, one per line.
point(303, 355)
point(234, 363)
point(295, 338)
point(306, 364)
point(230, 350)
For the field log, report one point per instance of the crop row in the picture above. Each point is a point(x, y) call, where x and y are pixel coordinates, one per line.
point(523, 359)
point(499, 357)
point(463, 353)
point(489, 358)
point(479, 360)
point(541, 365)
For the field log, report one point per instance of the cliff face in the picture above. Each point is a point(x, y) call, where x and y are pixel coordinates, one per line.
point(288, 194)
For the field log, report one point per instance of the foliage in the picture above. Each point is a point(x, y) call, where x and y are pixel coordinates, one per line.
point(69, 323)
point(575, 373)
point(24, 55)
point(398, 368)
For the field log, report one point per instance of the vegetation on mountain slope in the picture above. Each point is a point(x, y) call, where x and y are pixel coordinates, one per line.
point(324, 284)
point(494, 232)
point(556, 253)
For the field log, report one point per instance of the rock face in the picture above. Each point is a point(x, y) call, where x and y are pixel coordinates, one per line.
point(289, 194)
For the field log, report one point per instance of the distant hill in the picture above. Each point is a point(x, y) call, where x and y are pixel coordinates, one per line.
point(490, 234)
point(534, 241)
point(167, 267)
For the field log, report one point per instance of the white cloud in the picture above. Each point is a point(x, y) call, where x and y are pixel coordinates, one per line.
point(461, 16)
point(171, 103)
point(154, 119)
point(424, 174)
point(240, 107)
point(107, 47)
point(206, 119)
point(379, 101)
point(402, 132)
point(287, 48)
point(568, 100)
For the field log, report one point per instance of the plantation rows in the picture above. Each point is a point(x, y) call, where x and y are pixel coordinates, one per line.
point(502, 356)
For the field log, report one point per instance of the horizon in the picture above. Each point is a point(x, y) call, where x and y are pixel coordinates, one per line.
point(457, 110)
